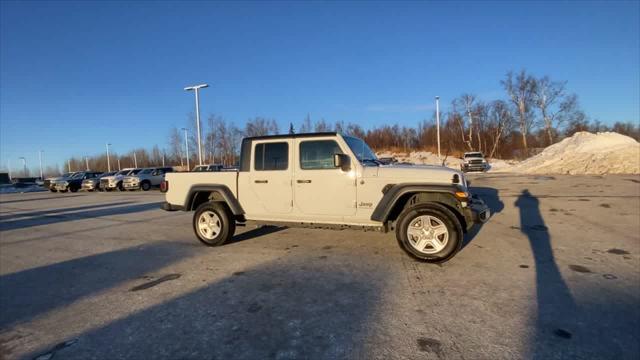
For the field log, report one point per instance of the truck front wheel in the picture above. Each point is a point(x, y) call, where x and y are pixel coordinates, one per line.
point(213, 224)
point(429, 232)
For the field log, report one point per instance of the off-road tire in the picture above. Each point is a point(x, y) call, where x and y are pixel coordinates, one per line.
point(120, 187)
point(73, 189)
point(145, 186)
point(226, 222)
point(445, 216)
point(53, 190)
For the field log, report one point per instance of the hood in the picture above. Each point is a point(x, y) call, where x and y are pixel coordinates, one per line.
point(415, 173)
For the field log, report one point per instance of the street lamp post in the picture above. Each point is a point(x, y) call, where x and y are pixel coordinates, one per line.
point(108, 161)
point(135, 160)
point(196, 89)
point(86, 162)
point(186, 146)
point(24, 165)
point(69, 164)
point(438, 123)
point(40, 159)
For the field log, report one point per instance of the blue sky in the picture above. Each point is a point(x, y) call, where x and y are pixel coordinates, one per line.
point(74, 75)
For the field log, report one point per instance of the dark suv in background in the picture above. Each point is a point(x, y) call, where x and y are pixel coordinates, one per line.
point(74, 182)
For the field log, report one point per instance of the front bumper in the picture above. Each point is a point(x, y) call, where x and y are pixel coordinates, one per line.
point(61, 187)
point(89, 186)
point(475, 167)
point(476, 212)
point(131, 186)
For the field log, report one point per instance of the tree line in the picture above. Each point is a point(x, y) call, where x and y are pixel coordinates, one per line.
point(534, 112)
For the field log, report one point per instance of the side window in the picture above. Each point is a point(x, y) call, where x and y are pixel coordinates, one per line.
point(271, 156)
point(318, 154)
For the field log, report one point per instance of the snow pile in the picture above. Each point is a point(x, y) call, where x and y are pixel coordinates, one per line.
point(585, 153)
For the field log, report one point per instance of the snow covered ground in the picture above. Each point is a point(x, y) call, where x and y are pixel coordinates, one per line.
point(583, 153)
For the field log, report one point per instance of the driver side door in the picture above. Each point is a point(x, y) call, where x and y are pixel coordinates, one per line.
point(319, 187)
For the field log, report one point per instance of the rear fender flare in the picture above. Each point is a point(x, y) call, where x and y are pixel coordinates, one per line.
point(216, 193)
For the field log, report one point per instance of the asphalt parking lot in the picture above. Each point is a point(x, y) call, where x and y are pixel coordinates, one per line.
point(554, 274)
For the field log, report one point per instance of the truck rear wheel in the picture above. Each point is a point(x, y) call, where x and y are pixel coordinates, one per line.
point(429, 232)
point(213, 224)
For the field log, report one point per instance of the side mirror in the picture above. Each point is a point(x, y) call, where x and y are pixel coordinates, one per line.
point(342, 161)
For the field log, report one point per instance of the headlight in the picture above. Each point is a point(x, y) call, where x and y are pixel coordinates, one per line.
point(66, 183)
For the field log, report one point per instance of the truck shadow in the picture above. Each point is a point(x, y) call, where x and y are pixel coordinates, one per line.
point(26, 294)
point(563, 328)
point(298, 309)
point(38, 198)
point(491, 197)
point(88, 214)
point(255, 232)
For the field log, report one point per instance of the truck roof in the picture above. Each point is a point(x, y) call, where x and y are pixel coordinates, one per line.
point(287, 136)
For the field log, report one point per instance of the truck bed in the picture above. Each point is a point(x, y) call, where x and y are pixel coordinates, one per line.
point(181, 182)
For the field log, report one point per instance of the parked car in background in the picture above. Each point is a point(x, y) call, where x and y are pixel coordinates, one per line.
point(49, 183)
point(93, 184)
point(114, 182)
point(474, 161)
point(145, 179)
point(74, 182)
point(206, 168)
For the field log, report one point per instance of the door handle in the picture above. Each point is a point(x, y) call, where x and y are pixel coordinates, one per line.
point(303, 181)
point(261, 181)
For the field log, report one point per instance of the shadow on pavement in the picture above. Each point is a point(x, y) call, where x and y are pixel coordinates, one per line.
point(297, 309)
point(563, 328)
point(58, 218)
point(26, 294)
point(254, 233)
point(36, 199)
point(61, 210)
point(491, 197)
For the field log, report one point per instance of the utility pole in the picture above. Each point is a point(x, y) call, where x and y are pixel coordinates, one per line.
point(196, 89)
point(186, 146)
point(438, 123)
point(108, 161)
point(40, 159)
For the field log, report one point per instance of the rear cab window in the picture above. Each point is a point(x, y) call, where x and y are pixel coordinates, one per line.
point(271, 156)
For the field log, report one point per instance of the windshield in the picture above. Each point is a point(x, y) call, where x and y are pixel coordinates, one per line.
point(362, 151)
point(473, 155)
point(134, 172)
point(77, 175)
point(123, 172)
point(146, 171)
point(200, 168)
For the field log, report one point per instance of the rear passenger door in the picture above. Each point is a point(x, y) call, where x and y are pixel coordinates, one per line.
point(270, 179)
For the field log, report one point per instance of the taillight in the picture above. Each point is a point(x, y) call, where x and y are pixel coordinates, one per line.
point(164, 186)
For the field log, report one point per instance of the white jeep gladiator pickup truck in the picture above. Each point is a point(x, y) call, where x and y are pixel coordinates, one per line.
point(328, 180)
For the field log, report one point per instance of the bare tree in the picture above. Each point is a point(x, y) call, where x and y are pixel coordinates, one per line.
point(500, 120)
point(546, 96)
point(521, 91)
point(468, 102)
point(306, 125)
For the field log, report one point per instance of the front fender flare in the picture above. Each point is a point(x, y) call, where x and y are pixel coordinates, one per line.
point(394, 193)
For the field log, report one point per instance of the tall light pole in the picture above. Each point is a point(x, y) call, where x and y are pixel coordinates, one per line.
point(135, 160)
point(196, 88)
point(24, 164)
point(69, 164)
point(9, 167)
point(108, 161)
point(86, 162)
point(118, 163)
point(438, 123)
point(40, 159)
point(186, 146)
